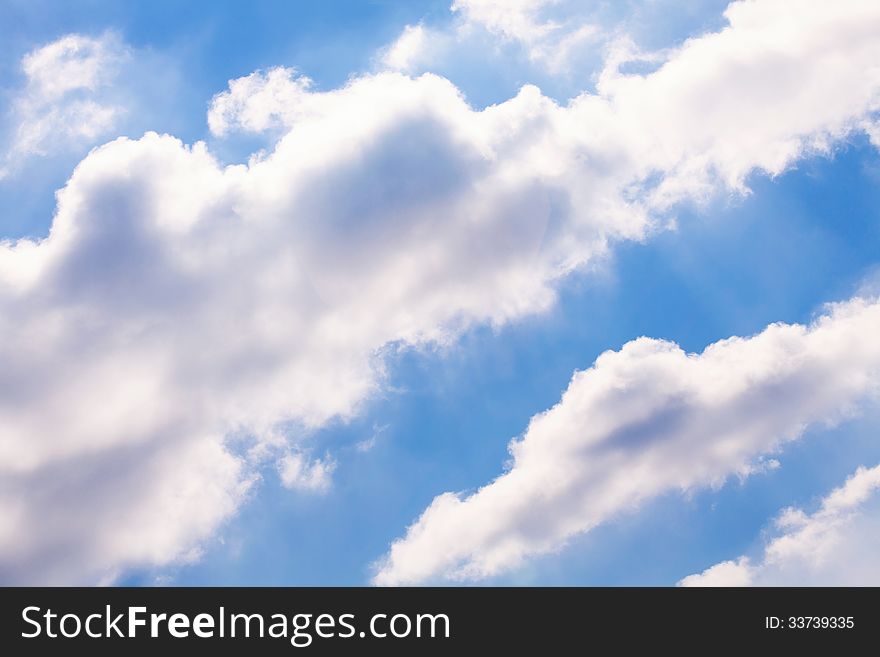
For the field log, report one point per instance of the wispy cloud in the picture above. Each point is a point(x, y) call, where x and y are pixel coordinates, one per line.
point(64, 101)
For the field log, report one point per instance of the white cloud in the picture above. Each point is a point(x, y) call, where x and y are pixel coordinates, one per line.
point(872, 128)
point(837, 545)
point(516, 19)
point(727, 573)
point(178, 305)
point(556, 41)
point(486, 25)
point(61, 104)
point(70, 63)
point(88, 516)
point(298, 473)
point(643, 421)
point(259, 101)
point(409, 50)
point(547, 36)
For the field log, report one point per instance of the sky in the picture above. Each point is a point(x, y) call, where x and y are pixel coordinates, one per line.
point(534, 292)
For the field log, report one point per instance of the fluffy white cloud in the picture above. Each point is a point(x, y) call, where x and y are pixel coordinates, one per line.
point(176, 301)
point(298, 473)
point(178, 306)
point(138, 503)
point(61, 103)
point(837, 545)
point(410, 48)
point(643, 421)
point(258, 102)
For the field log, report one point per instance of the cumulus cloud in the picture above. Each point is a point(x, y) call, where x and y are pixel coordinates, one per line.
point(61, 103)
point(642, 421)
point(178, 305)
point(837, 545)
point(298, 473)
point(89, 515)
point(410, 48)
point(259, 101)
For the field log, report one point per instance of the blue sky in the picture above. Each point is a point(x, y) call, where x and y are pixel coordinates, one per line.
point(690, 242)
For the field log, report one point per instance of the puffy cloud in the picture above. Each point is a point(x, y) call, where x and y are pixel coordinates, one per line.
point(62, 103)
point(409, 49)
point(258, 102)
point(298, 473)
point(178, 303)
point(642, 421)
point(727, 573)
point(837, 545)
point(87, 516)
point(180, 308)
point(70, 63)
